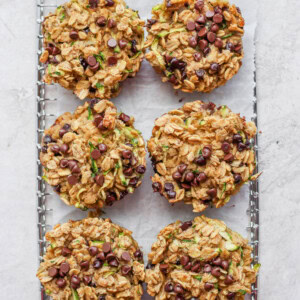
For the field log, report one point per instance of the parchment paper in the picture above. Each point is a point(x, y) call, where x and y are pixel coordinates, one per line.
point(145, 97)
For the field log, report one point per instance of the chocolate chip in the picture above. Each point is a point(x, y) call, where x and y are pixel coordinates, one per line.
point(72, 179)
point(202, 32)
point(84, 265)
point(128, 171)
point(73, 166)
point(196, 267)
point(208, 286)
point(186, 225)
point(215, 67)
point(218, 18)
point(133, 46)
point(209, 14)
point(123, 43)
point(215, 28)
point(217, 261)
point(106, 247)
point(237, 138)
point(83, 63)
point(225, 147)
point(93, 251)
point(74, 35)
point(241, 147)
point(201, 19)
point(101, 21)
point(201, 177)
point(193, 42)
point(181, 168)
point(61, 283)
point(173, 79)
point(99, 179)
point(65, 251)
point(126, 256)
point(212, 192)
point(163, 268)
point(55, 149)
point(178, 289)
point(75, 282)
point(225, 265)
point(87, 279)
point(230, 46)
point(138, 254)
point(203, 44)
point(188, 266)
point(169, 287)
point(126, 154)
point(231, 295)
point(156, 186)
point(112, 43)
point(200, 73)
point(112, 61)
point(125, 270)
point(229, 280)
point(91, 60)
point(93, 3)
point(64, 268)
point(197, 56)
point(189, 177)
point(44, 149)
point(199, 5)
point(57, 188)
point(207, 268)
point(64, 163)
point(201, 161)
point(95, 154)
point(206, 51)
point(64, 148)
point(95, 68)
point(216, 272)
point(206, 152)
point(110, 3)
point(169, 187)
point(190, 25)
point(171, 194)
point(211, 36)
point(176, 175)
point(102, 148)
point(184, 260)
point(62, 132)
point(140, 169)
point(229, 157)
point(113, 263)
point(177, 64)
point(97, 264)
point(52, 272)
point(237, 178)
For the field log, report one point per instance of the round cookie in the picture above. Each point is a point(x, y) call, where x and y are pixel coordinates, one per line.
point(93, 157)
point(92, 259)
point(196, 45)
point(201, 154)
point(200, 259)
point(91, 46)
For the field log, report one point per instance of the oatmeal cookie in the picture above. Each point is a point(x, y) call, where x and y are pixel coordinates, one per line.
point(196, 45)
point(200, 259)
point(92, 45)
point(93, 157)
point(201, 154)
point(92, 259)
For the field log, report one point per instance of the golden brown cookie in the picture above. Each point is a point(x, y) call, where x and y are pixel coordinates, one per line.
point(201, 154)
point(200, 260)
point(93, 157)
point(91, 46)
point(196, 45)
point(92, 259)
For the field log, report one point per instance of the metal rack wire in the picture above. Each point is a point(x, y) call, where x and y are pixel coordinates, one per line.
point(41, 117)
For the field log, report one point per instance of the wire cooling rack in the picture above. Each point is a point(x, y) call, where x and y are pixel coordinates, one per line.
point(42, 116)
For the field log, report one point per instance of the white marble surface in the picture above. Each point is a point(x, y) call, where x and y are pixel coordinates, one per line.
point(278, 62)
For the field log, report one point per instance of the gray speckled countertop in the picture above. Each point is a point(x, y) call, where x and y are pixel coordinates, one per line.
point(278, 91)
